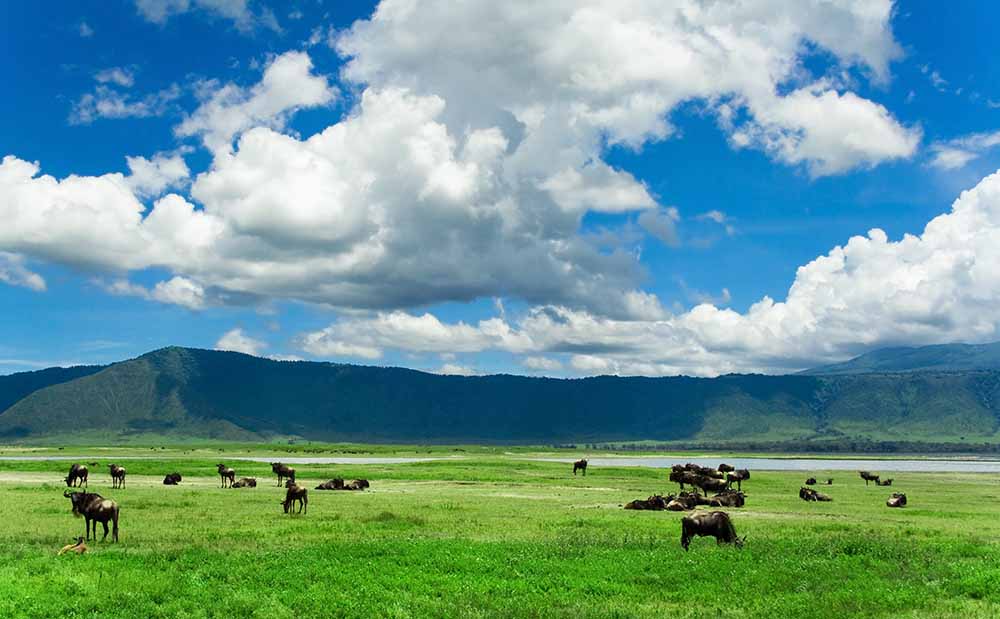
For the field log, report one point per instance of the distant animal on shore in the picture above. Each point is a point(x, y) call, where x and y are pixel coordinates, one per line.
point(94, 508)
point(883, 482)
point(898, 499)
point(227, 474)
point(865, 475)
point(283, 471)
point(580, 465)
point(808, 494)
point(79, 547)
point(739, 476)
point(244, 482)
point(77, 475)
point(117, 475)
point(172, 479)
point(295, 493)
point(811, 481)
point(709, 524)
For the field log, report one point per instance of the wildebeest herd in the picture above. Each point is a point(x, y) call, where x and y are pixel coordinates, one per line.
point(95, 509)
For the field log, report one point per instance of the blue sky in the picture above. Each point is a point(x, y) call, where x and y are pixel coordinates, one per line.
point(496, 189)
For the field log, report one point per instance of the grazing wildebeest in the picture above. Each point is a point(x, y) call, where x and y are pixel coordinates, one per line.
point(811, 481)
point(117, 475)
point(94, 508)
point(898, 499)
point(883, 482)
point(655, 503)
point(283, 471)
point(726, 468)
point(739, 476)
point(333, 484)
point(244, 482)
point(729, 498)
point(865, 475)
point(79, 547)
point(580, 465)
point(226, 473)
point(294, 493)
point(172, 479)
point(714, 524)
point(808, 494)
point(77, 476)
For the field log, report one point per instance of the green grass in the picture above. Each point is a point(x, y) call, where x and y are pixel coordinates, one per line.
point(490, 536)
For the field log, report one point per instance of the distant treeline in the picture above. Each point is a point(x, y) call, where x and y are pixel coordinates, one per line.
point(837, 446)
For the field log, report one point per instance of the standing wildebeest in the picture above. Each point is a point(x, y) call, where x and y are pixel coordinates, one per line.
point(580, 465)
point(898, 499)
point(726, 468)
point(294, 493)
point(244, 482)
point(739, 476)
point(711, 484)
point(77, 475)
point(714, 524)
point(883, 482)
point(808, 494)
point(226, 473)
point(283, 471)
point(865, 475)
point(117, 475)
point(172, 479)
point(811, 481)
point(94, 508)
point(829, 481)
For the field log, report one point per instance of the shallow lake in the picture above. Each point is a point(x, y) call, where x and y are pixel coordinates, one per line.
point(800, 464)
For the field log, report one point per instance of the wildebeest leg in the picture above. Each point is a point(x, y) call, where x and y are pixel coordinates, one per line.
point(87, 525)
point(105, 523)
point(115, 516)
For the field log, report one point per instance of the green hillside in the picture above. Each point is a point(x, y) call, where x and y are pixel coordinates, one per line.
point(179, 392)
point(13, 387)
point(941, 357)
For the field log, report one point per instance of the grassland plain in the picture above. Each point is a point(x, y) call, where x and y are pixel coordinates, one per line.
point(487, 535)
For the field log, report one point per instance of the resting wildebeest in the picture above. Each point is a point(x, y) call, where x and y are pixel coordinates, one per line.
point(117, 475)
point(865, 475)
point(283, 471)
point(172, 479)
point(226, 473)
point(729, 498)
point(883, 482)
point(77, 475)
point(357, 484)
point(808, 494)
point(811, 481)
point(580, 465)
point(294, 493)
point(244, 482)
point(898, 499)
point(739, 476)
point(79, 547)
point(333, 484)
point(655, 503)
point(714, 524)
point(94, 508)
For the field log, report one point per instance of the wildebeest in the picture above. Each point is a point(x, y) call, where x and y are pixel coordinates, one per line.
point(729, 498)
point(294, 493)
point(226, 473)
point(580, 465)
point(829, 481)
point(726, 468)
point(655, 502)
point(883, 482)
point(77, 475)
point(172, 479)
point(79, 547)
point(714, 524)
point(686, 501)
point(357, 484)
point(117, 475)
point(811, 481)
point(244, 482)
point(898, 499)
point(283, 471)
point(739, 476)
point(865, 475)
point(808, 494)
point(333, 484)
point(94, 508)
point(711, 484)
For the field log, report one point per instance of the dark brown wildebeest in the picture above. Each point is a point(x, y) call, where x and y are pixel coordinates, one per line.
point(226, 473)
point(244, 482)
point(580, 465)
point(683, 477)
point(726, 468)
point(714, 524)
point(729, 498)
point(94, 508)
point(654, 503)
point(79, 547)
point(77, 475)
point(865, 475)
point(117, 475)
point(739, 476)
point(283, 471)
point(898, 499)
point(883, 482)
point(172, 479)
point(294, 493)
point(686, 501)
point(811, 481)
point(808, 494)
point(829, 481)
point(711, 484)
point(357, 484)
point(333, 484)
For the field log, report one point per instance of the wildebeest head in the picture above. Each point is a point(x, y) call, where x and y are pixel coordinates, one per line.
point(80, 500)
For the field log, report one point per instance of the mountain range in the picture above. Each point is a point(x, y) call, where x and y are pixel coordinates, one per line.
point(940, 395)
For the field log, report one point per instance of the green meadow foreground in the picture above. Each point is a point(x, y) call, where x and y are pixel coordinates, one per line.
point(492, 536)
